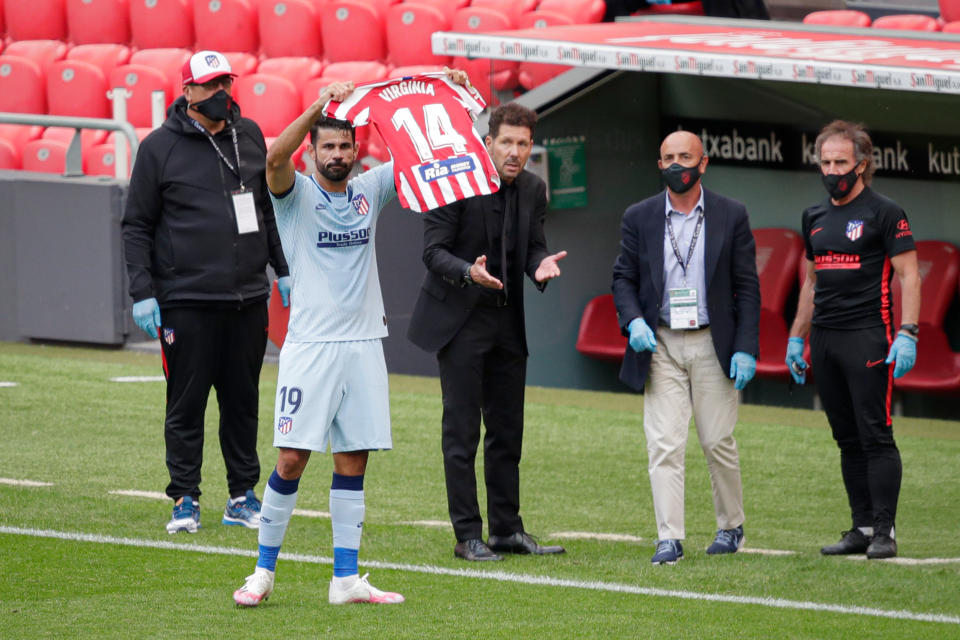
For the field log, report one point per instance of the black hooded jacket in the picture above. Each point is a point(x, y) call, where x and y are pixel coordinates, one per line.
point(180, 236)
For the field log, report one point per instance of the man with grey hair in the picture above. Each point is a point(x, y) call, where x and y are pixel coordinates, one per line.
point(852, 238)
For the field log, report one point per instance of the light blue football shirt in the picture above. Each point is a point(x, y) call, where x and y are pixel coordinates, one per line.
point(328, 240)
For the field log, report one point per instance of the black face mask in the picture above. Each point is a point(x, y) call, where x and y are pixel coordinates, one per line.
point(216, 107)
point(681, 179)
point(838, 186)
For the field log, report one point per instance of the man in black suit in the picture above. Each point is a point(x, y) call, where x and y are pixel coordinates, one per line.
point(688, 297)
point(470, 312)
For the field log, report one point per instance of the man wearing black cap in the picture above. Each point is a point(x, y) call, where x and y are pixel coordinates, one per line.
point(198, 232)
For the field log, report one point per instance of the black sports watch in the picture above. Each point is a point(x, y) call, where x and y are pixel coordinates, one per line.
point(912, 329)
point(465, 276)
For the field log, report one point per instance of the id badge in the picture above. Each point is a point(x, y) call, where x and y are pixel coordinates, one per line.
point(246, 212)
point(683, 309)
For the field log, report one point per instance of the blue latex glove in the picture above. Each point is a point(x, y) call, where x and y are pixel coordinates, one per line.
point(904, 352)
point(642, 337)
point(742, 367)
point(795, 361)
point(283, 286)
point(146, 314)
point(659, 1)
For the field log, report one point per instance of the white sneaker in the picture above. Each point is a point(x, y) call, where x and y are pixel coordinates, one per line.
point(186, 516)
point(360, 591)
point(258, 587)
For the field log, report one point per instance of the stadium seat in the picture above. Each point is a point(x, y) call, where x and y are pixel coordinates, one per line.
point(838, 18)
point(98, 21)
point(413, 70)
point(149, 70)
point(22, 86)
point(576, 11)
point(359, 72)
point(364, 21)
point(77, 88)
point(938, 367)
point(226, 25)
point(949, 10)
point(3, 26)
point(409, 27)
point(779, 252)
point(156, 24)
point(45, 156)
point(599, 335)
point(533, 74)
point(168, 61)
point(241, 62)
point(19, 134)
point(36, 19)
point(298, 70)
point(9, 155)
point(290, 28)
point(105, 57)
point(446, 7)
point(278, 317)
point(43, 52)
point(88, 137)
point(271, 101)
point(672, 9)
point(907, 22)
point(485, 74)
point(512, 8)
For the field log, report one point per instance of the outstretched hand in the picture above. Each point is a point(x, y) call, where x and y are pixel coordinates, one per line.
point(549, 269)
point(459, 76)
point(482, 277)
point(336, 91)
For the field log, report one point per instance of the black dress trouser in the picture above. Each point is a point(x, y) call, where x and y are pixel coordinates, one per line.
point(222, 348)
point(483, 373)
point(855, 386)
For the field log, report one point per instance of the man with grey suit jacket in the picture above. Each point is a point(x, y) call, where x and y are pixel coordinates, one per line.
point(470, 312)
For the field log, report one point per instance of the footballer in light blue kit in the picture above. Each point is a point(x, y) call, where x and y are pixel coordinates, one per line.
point(332, 386)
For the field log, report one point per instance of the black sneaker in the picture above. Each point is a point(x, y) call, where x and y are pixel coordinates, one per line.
point(853, 541)
point(882, 546)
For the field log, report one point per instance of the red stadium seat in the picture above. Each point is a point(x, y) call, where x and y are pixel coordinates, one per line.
point(77, 88)
point(3, 26)
point(22, 86)
point(409, 26)
point(88, 137)
point(149, 70)
point(487, 75)
point(105, 57)
point(838, 18)
point(907, 22)
point(45, 156)
point(98, 21)
point(226, 25)
point(949, 10)
point(270, 101)
point(9, 155)
point(779, 251)
point(241, 62)
point(291, 28)
point(513, 8)
point(359, 72)
point(951, 27)
point(577, 11)
point(156, 24)
point(169, 62)
point(278, 317)
point(599, 335)
point(533, 74)
point(447, 7)
point(297, 70)
point(43, 52)
point(100, 159)
point(672, 9)
point(413, 70)
point(364, 21)
point(36, 19)
point(19, 134)
point(938, 367)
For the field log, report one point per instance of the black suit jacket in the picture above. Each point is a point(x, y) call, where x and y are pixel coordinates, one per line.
point(733, 289)
point(454, 236)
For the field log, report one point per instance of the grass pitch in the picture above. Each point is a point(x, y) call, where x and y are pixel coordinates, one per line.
point(107, 573)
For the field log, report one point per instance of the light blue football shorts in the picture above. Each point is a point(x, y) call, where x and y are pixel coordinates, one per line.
point(332, 393)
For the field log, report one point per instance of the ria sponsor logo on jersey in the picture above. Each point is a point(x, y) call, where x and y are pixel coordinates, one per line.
point(445, 168)
point(328, 239)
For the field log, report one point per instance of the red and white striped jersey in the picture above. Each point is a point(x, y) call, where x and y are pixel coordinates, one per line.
point(427, 123)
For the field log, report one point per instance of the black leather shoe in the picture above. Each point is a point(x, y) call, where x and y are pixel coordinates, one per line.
point(521, 542)
point(882, 546)
point(475, 550)
point(853, 541)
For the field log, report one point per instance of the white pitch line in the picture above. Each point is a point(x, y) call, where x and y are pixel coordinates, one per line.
point(440, 524)
point(138, 379)
point(768, 552)
point(25, 483)
point(910, 562)
point(503, 576)
point(588, 535)
point(307, 513)
point(9, 384)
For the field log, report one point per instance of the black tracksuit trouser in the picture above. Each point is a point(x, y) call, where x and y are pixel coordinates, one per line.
point(206, 347)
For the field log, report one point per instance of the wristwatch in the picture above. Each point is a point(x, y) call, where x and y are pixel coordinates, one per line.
point(911, 329)
point(465, 276)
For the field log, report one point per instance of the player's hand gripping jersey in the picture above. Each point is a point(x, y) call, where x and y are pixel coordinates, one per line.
point(427, 123)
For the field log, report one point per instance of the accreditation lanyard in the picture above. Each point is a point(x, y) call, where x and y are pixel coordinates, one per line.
point(216, 147)
point(693, 243)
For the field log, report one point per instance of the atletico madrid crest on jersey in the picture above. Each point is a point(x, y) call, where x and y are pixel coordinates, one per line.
point(360, 204)
point(854, 230)
point(285, 425)
point(168, 335)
